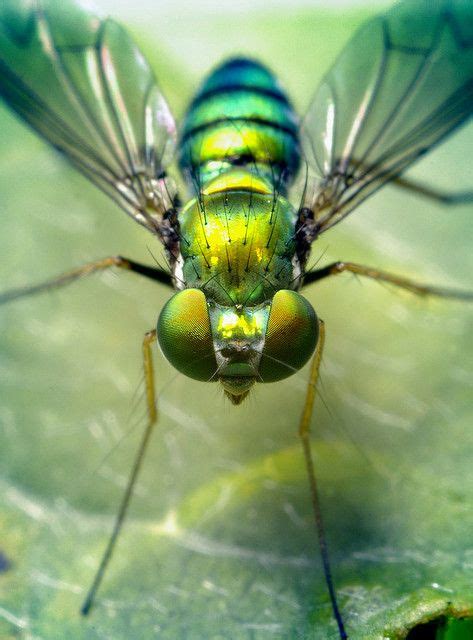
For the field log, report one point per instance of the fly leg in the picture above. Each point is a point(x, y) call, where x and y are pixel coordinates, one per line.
point(304, 433)
point(437, 195)
point(148, 340)
point(420, 289)
point(91, 267)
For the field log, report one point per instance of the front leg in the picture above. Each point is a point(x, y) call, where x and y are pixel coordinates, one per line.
point(304, 434)
point(148, 340)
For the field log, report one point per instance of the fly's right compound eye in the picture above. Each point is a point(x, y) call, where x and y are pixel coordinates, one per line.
point(185, 335)
point(291, 336)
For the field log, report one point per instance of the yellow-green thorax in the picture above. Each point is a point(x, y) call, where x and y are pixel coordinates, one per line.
point(237, 240)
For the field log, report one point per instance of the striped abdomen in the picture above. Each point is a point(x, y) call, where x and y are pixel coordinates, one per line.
point(240, 117)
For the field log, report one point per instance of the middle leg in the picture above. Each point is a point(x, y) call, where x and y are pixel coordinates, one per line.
point(375, 274)
point(68, 277)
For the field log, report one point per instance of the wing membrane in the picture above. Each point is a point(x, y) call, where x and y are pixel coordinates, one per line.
point(402, 84)
point(80, 81)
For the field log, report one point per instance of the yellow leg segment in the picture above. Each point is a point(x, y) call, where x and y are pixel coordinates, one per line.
point(383, 276)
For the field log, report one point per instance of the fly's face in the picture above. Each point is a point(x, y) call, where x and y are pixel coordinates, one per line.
point(237, 345)
point(238, 338)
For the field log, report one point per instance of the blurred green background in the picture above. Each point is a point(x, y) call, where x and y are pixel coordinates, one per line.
point(220, 542)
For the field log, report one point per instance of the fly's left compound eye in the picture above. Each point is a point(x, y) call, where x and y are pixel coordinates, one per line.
point(185, 335)
point(291, 336)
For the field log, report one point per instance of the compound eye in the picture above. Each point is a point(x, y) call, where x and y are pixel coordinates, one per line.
point(291, 336)
point(185, 335)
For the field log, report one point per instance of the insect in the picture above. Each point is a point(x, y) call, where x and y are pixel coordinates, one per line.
point(262, 186)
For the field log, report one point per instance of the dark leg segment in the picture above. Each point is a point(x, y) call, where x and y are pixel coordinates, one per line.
point(304, 433)
point(423, 290)
point(148, 341)
point(441, 197)
point(91, 267)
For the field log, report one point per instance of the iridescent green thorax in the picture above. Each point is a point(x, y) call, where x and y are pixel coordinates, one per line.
point(241, 117)
point(238, 245)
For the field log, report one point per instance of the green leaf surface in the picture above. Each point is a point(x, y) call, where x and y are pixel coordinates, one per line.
point(220, 541)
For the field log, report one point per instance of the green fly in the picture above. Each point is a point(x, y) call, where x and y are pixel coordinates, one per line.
point(261, 185)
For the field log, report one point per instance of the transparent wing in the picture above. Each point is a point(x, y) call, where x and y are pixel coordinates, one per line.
point(402, 84)
point(81, 82)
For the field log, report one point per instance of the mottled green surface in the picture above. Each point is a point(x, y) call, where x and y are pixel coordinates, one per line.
point(219, 543)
